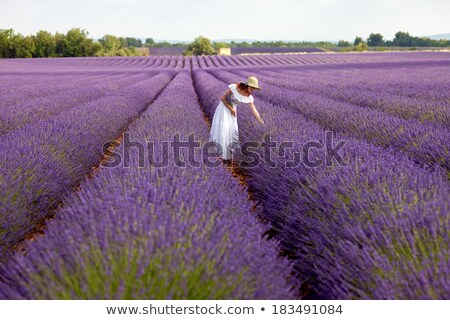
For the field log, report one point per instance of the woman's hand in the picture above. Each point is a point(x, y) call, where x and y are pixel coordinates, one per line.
point(256, 113)
point(233, 112)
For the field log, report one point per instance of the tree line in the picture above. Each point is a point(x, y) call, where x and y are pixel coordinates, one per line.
point(401, 39)
point(74, 43)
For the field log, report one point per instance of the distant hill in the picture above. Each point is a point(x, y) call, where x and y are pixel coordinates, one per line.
point(445, 36)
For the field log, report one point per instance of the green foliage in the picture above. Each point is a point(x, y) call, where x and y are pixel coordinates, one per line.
point(277, 44)
point(200, 46)
point(75, 43)
point(133, 42)
point(375, 40)
point(404, 39)
point(361, 46)
point(401, 39)
point(61, 44)
point(110, 42)
point(244, 44)
point(78, 44)
point(5, 42)
point(343, 43)
point(23, 47)
point(45, 44)
point(149, 42)
point(218, 45)
point(15, 45)
point(114, 46)
point(357, 41)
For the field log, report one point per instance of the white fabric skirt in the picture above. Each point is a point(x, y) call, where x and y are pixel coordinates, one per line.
point(224, 130)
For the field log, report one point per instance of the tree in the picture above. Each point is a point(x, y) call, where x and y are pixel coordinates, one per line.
point(361, 46)
point(23, 46)
point(123, 42)
point(133, 42)
point(403, 39)
point(200, 46)
point(61, 44)
point(149, 42)
point(163, 44)
point(244, 44)
point(110, 42)
point(375, 39)
point(15, 45)
point(45, 44)
point(280, 44)
point(357, 41)
point(218, 45)
point(74, 38)
point(78, 45)
point(343, 43)
point(6, 43)
point(73, 44)
point(114, 46)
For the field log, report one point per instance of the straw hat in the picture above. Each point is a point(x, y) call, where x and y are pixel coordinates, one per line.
point(252, 82)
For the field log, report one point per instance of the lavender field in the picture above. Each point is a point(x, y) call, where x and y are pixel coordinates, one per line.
point(375, 225)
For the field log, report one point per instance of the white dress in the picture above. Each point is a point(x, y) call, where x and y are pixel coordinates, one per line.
point(224, 127)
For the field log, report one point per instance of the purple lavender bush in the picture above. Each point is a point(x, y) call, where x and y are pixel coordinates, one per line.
point(426, 144)
point(149, 232)
point(46, 159)
point(364, 230)
point(373, 225)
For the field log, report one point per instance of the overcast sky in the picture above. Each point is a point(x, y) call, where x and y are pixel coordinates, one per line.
point(229, 19)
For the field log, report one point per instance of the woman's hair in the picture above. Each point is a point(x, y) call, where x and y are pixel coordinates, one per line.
point(243, 86)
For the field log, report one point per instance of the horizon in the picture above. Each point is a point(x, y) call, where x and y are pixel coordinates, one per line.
point(305, 20)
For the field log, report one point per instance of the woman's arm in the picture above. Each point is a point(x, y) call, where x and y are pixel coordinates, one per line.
point(225, 102)
point(256, 113)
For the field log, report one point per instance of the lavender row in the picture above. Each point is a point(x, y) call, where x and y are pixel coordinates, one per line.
point(178, 51)
point(47, 87)
point(275, 60)
point(240, 50)
point(69, 96)
point(428, 102)
point(167, 51)
point(150, 232)
point(374, 228)
point(90, 65)
point(14, 81)
point(46, 160)
point(427, 145)
point(117, 64)
point(430, 80)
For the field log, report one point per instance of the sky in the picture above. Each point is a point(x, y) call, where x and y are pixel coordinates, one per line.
point(294, 20)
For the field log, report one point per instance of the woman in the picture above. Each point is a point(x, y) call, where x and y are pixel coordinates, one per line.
point(224, 128)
